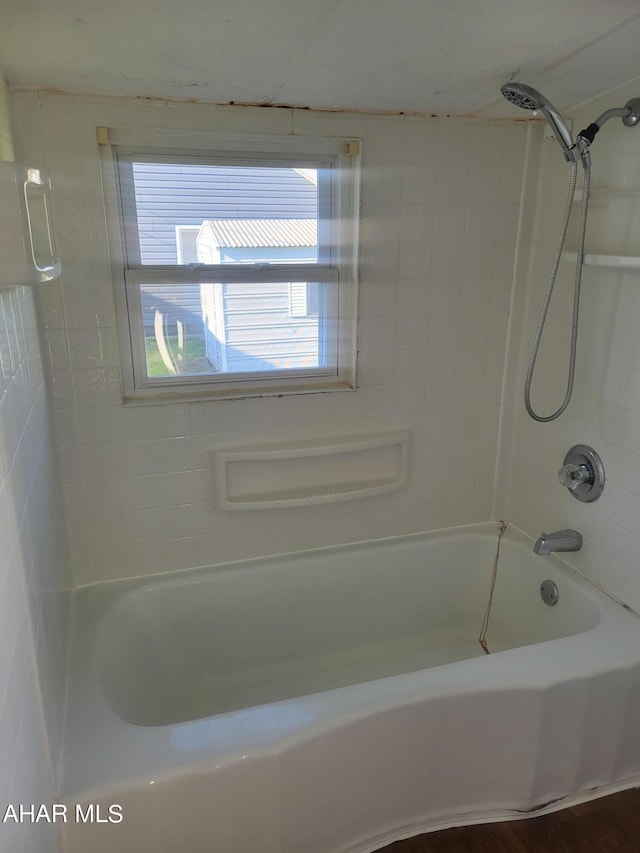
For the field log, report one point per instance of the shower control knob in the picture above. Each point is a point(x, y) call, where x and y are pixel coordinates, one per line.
point(572, 476)
point(582, 473)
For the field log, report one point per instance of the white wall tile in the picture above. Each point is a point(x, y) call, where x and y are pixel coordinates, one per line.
point(604, 409)
point(427, 268)
point(34, 568)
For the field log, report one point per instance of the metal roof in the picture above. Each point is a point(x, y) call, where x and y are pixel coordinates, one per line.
point(254, 233)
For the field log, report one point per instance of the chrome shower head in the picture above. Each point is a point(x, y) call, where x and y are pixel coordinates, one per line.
point(523, 96)
point(528, 98)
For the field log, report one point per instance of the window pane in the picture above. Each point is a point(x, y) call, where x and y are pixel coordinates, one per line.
point(239, 327)
point(240, 214)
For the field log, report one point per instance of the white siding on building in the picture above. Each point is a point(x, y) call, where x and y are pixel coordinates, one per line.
point(259, 326)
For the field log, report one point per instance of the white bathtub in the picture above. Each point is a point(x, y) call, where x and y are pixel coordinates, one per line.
point(339, 700)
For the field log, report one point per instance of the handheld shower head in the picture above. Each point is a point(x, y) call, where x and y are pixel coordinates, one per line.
point(528, 98)
point(523, 96)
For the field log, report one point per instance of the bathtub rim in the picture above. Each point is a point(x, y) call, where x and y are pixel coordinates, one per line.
point(122, 586)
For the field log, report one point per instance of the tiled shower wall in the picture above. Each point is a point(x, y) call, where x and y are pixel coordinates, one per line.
point(605, 409)
point(441, 201)
point(34, 588)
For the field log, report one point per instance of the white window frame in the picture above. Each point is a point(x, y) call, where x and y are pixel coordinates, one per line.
point(338, 269)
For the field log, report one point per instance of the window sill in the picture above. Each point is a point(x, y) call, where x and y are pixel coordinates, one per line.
point(154, 397)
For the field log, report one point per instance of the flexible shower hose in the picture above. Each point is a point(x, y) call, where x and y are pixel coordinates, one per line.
point(549, 292)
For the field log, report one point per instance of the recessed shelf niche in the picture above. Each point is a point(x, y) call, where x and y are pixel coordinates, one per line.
point(304, 473)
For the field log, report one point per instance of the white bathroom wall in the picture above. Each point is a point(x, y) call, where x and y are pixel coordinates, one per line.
point(34, 589)
point(439, 220)
point(605, 410)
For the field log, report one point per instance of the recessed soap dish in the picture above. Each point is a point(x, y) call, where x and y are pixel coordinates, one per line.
point(304, 473)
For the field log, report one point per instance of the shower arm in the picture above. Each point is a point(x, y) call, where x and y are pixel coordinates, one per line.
point(630, 115)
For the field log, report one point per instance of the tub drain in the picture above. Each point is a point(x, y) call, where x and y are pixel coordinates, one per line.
point(549, 592)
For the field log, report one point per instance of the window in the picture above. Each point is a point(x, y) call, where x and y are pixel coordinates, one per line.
point(234, 263)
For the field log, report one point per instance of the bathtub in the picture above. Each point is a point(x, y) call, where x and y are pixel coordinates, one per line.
point(339, 700)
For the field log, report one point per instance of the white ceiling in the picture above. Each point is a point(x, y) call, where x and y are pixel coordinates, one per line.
point(440, 56)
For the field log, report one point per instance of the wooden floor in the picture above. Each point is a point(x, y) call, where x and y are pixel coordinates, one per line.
point(607, 825)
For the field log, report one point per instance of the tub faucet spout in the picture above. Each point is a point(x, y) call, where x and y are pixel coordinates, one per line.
point(561, 540)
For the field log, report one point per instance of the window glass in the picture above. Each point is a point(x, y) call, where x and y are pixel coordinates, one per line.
point(215, 328)
point(249, 214)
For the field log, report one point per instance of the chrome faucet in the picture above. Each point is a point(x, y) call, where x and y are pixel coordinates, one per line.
point(561, 540)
